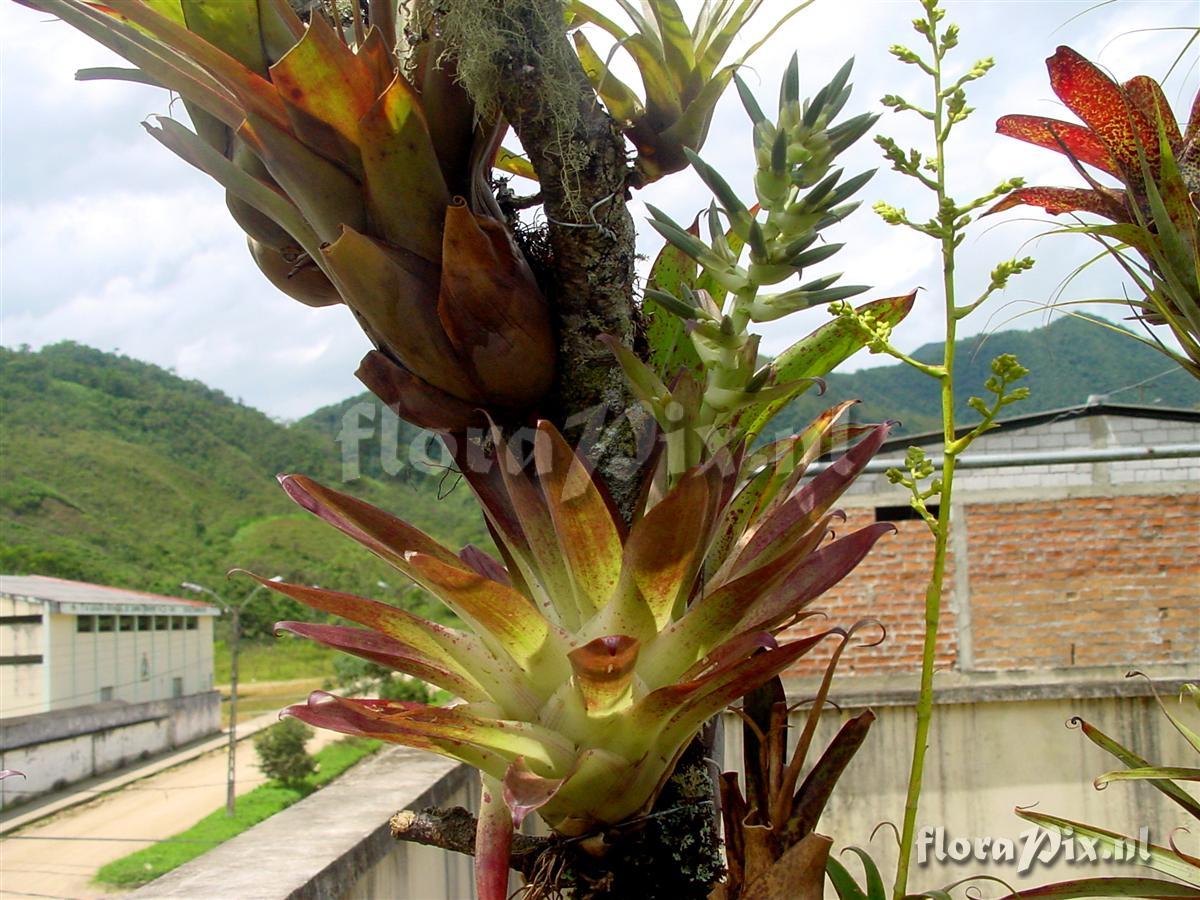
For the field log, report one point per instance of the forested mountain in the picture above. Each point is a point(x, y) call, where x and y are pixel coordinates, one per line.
point(119, 472)
point(1069, 360)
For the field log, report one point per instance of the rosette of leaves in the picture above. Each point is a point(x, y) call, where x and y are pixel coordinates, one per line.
point(683, 72)
point(591, 654)
point(1182, 869)
point(358, 173)
point(1130, 134)
point(703, 382)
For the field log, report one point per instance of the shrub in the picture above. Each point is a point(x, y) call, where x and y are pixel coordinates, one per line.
point(281, 753)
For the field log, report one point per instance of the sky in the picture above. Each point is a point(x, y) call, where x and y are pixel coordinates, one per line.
point(109, 240)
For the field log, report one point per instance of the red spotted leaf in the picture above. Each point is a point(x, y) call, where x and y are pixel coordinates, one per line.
point(1099, 102)
point(1065, 137)
point(1057, 200)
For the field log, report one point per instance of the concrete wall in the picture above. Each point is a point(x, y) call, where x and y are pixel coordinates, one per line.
point(22, 686)
point(999, 741)
point(336, 842)
point(142, 658)
point(59, 748)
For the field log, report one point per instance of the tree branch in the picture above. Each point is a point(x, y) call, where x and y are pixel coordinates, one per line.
point(454, 829)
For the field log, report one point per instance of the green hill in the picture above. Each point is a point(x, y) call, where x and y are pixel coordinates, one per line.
point(1069, 360)
point(119, 472)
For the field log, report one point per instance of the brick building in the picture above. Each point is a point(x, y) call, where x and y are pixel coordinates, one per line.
point(1052, 565)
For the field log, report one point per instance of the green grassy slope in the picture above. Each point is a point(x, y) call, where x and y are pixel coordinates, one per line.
point(119, 472)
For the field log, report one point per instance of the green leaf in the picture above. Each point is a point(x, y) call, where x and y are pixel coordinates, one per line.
point(820, 352)
point(843, 882)
point(1149, 773)
point(670, 348)
point(1152, 856)
point(623, 103)
point(1143, 888)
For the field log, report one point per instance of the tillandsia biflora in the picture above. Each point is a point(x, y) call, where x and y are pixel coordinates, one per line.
point(1130, 134)
point(357, 144)
point(593, 654)
point(947, 225)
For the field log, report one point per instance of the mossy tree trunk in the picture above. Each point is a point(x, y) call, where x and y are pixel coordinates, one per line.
point(517, 54)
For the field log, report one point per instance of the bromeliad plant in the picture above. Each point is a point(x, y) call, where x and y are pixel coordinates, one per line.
point(683, 74)
point(931, 496)
point(593, 653)
point(703, 382)
point(356, 167)
point(1130, 134)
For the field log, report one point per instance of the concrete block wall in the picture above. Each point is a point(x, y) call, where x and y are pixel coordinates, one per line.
point(59, 748)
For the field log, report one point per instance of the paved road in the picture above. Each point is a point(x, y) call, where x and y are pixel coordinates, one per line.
point(58, 857)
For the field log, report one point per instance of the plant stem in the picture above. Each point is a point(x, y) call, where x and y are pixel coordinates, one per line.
point(941, 533)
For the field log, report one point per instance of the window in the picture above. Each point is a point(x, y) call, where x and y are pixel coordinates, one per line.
point(903, 513)
point(192, 623)
point(106, 623)
point(162, 623)
point(126, 623)
point(85, 624)
point(177, 686)
point(145, 623)
point(106, 694)
point(177, 623)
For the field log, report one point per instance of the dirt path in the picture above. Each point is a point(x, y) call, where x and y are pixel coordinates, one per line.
point(59, 857)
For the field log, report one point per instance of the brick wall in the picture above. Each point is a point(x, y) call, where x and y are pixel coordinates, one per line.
point(889, 585)
point(1087, 581)
point(1077, 581)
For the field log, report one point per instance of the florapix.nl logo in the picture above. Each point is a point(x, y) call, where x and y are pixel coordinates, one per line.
point(1033, 847)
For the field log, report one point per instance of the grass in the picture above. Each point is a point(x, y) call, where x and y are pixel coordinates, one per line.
point(268, 697)
point(264, 801)
point(281, 659)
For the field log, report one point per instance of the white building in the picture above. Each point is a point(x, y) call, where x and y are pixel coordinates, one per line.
point(66, 644)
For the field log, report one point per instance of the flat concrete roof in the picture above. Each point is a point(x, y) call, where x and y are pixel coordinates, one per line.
point(1031, 420)
point(82, 598)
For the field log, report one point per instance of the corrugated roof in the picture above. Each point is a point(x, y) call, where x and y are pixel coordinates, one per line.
point(60, 590)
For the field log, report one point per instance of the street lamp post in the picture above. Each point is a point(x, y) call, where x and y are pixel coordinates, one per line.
point(235, 637)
